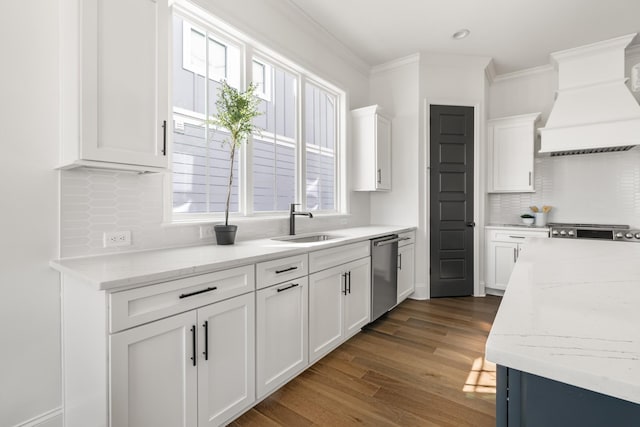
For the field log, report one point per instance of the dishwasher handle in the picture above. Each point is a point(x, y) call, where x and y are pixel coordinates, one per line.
point(390, 241)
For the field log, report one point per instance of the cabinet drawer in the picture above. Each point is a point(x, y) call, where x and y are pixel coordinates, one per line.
point(406, 238)
point(280, 270)
point(327, 258)
point(146, 304)
point(516, 236)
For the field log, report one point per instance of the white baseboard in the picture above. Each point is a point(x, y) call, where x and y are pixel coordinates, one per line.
point(52, 418)
point(421, 292)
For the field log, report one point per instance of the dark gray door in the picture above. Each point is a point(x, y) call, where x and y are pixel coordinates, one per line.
point(451, 197)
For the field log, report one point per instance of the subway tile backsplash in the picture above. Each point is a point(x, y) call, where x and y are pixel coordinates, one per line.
point(589, 188)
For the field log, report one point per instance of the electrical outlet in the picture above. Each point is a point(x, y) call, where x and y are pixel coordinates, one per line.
point(117, 238)
point(206, 232)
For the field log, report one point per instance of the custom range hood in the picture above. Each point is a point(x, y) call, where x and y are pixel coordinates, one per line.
point(594, 111)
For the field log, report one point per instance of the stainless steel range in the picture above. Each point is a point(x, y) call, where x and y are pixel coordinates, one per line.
point(618, 232)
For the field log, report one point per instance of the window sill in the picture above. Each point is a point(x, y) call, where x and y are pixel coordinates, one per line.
point(245, 219)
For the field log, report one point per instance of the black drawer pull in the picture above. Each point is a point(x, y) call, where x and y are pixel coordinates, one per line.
point(286, 269)
point(293, 285)
point(198, 292)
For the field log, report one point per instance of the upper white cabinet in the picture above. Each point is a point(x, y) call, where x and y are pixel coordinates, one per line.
point(511, 152)
point(114, 83)
point(371, 149)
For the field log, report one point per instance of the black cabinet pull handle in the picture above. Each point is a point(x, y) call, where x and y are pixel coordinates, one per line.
point(349, 275)
point(206, 340)
point(164, 138)
point(286, 269)
point(344, 276)
point(193, 349)
point(293, 285)
point(190, 294)
point(400, 261)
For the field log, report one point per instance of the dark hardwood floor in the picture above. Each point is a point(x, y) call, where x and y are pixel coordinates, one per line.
point(420, 365)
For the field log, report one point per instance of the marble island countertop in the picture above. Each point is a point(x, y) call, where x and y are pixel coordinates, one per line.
point(571, 313)
point(129, 269)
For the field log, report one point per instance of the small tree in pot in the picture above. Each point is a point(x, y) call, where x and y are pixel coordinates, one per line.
point(235, 113)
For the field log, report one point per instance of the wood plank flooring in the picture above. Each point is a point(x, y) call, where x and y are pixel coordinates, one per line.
point(420, 365)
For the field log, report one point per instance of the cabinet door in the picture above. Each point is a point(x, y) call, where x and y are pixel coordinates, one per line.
point(511, 153)
point(357, 306)
point(125, 81)
point(502, 258)
point(326, 298)
point(153, 378)
point(282, 346)
point(383, 153)
point(406, 271)
point(226, 359)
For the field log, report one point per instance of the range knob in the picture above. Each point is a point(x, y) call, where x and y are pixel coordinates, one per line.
point(563, 233)
point(555, 232)
point(571, 233)
point(629, 236)
point(619, 235)
point(637, 236)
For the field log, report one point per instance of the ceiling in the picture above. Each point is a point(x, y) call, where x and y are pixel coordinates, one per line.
point(517, 34)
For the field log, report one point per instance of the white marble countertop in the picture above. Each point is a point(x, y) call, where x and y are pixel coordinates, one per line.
point(571, 313)
point(130, 269)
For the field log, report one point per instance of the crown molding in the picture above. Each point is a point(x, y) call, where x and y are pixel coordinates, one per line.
point(523, 73)
point(490, 71)
point(329, 40)
point(396, 63)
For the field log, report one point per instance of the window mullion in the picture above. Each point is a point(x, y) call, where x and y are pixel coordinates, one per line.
point(246, 183)
point(207, 129)
point(301, 164)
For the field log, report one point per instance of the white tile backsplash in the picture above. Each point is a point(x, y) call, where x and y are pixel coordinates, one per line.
point(590, 188)
point(96, 201)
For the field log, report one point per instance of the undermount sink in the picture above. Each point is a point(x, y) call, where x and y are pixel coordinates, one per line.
point(307, 239)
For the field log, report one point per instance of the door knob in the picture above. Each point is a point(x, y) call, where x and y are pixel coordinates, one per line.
point(470, 224)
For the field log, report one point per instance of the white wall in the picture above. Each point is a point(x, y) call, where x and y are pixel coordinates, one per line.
point(136, 201)
point(591, 188)
point(29, 306)
point(403, 89)
point(395, 87)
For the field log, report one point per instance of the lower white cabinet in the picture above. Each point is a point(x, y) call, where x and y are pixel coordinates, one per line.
point(153, 380)
point(282, 351)
point(226, 359)
point(339, 305)
point(192, 369)
point(406, 271)
point(504, 246)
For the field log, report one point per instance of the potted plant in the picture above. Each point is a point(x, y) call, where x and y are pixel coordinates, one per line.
point(235, 113)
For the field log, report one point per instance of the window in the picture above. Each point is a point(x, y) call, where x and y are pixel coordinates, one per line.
point(274, 151)
point(320, 147)
point(293, 159)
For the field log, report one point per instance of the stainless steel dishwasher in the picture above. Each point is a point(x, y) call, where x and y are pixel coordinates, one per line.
point(384, 274)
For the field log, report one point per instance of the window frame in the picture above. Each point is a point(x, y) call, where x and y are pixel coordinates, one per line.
point(250, 51)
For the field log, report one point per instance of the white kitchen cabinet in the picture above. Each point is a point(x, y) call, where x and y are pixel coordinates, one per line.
point(282, 347)
point(406, 271)
point(372, 149)
point(197, 363)
point(226, 359)
point(114, 83)
point(504, 246)
point(511, 153)
point(339, 305)
point(153, 378)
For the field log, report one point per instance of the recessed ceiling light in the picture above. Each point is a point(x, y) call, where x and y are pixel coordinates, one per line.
point(460, 34)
